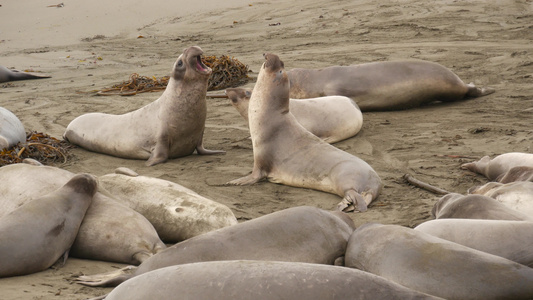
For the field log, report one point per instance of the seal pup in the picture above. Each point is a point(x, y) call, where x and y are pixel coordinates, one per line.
point(380, 86)
point(14, 75)
point(170, 127)
point(516, 195)
point(332, 118)
point(285, 152)
point(509, 239)
point(459, 206)
point(435, 266)
point(492, 168)
point(261, 280)
point(12, 131)
point(176, 212)
point(35, 235)
point(110, 231)
point(299, 234)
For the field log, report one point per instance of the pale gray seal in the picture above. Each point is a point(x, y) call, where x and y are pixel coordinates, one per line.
point(11, 129)
point(13, 75)
point(176, 212)
point(285, 152)
point(170, 127)
point(110, 231)
point(35, 235)
point(379, 86)
point(517, 195)
point(499, 165)
point(459, 206)
point(331, 118)
point(261, 280)
point(299, 234)
point(509, 239)
point(435, 266)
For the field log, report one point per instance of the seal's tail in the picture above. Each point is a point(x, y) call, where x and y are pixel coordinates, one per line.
point(474, 92)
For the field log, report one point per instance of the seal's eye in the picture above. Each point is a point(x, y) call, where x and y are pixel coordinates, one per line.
point(180, 63)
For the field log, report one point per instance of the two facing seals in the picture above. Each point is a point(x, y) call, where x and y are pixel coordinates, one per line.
point(285, 152)
point(379, 86)
point(170, 127)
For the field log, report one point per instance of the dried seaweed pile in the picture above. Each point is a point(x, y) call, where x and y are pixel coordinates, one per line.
point(227, 72)
point(38, 146)
point(136, 84)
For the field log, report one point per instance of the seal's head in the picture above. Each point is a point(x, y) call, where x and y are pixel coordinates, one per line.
point(273, 78)
point(240, 99)
point(189, 65)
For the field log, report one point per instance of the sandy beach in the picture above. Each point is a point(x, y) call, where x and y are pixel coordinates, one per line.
point(88, 46)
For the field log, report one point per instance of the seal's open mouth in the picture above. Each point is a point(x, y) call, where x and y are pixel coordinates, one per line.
point(200, 66)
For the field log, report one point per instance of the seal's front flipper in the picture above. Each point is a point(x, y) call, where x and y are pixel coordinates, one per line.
point(112, 278)
point(60, 263)
point(256, 176)
point(202, 151)
point(160, 152)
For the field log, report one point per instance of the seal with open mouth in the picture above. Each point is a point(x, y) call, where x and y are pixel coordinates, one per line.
point(170, 127)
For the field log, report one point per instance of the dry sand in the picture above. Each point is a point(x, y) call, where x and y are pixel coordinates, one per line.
point(486, 42)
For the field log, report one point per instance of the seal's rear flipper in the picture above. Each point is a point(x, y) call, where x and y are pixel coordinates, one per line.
point(353, 198)
point(112, 278)
point(474, 92)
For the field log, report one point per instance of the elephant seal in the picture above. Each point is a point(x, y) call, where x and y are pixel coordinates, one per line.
point(435, 266)
point(509, 239)
point(14, 75)
point(170, 127)
point(458, 206)
point(176, 212)
point(110, 231)
point(35, 235)
point(261, 280)
point(11, 129)
point(332, 118)
point(520, 173)
point(492, 168)
point(299, 234)
point(285, 152)
point(516, 195)
point(380, 86)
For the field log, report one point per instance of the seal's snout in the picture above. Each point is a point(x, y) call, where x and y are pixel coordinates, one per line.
point(273, 62)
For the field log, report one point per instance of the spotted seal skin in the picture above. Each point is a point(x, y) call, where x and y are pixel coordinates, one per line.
point(285, 152)
point(381, 86)
point(170, 127)
point(35, 235)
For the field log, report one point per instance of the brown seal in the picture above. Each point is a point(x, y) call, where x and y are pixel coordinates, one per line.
point(170, 127)
point(285, 152)
point(35, 235)
point(331, 118)
point(379, 86)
